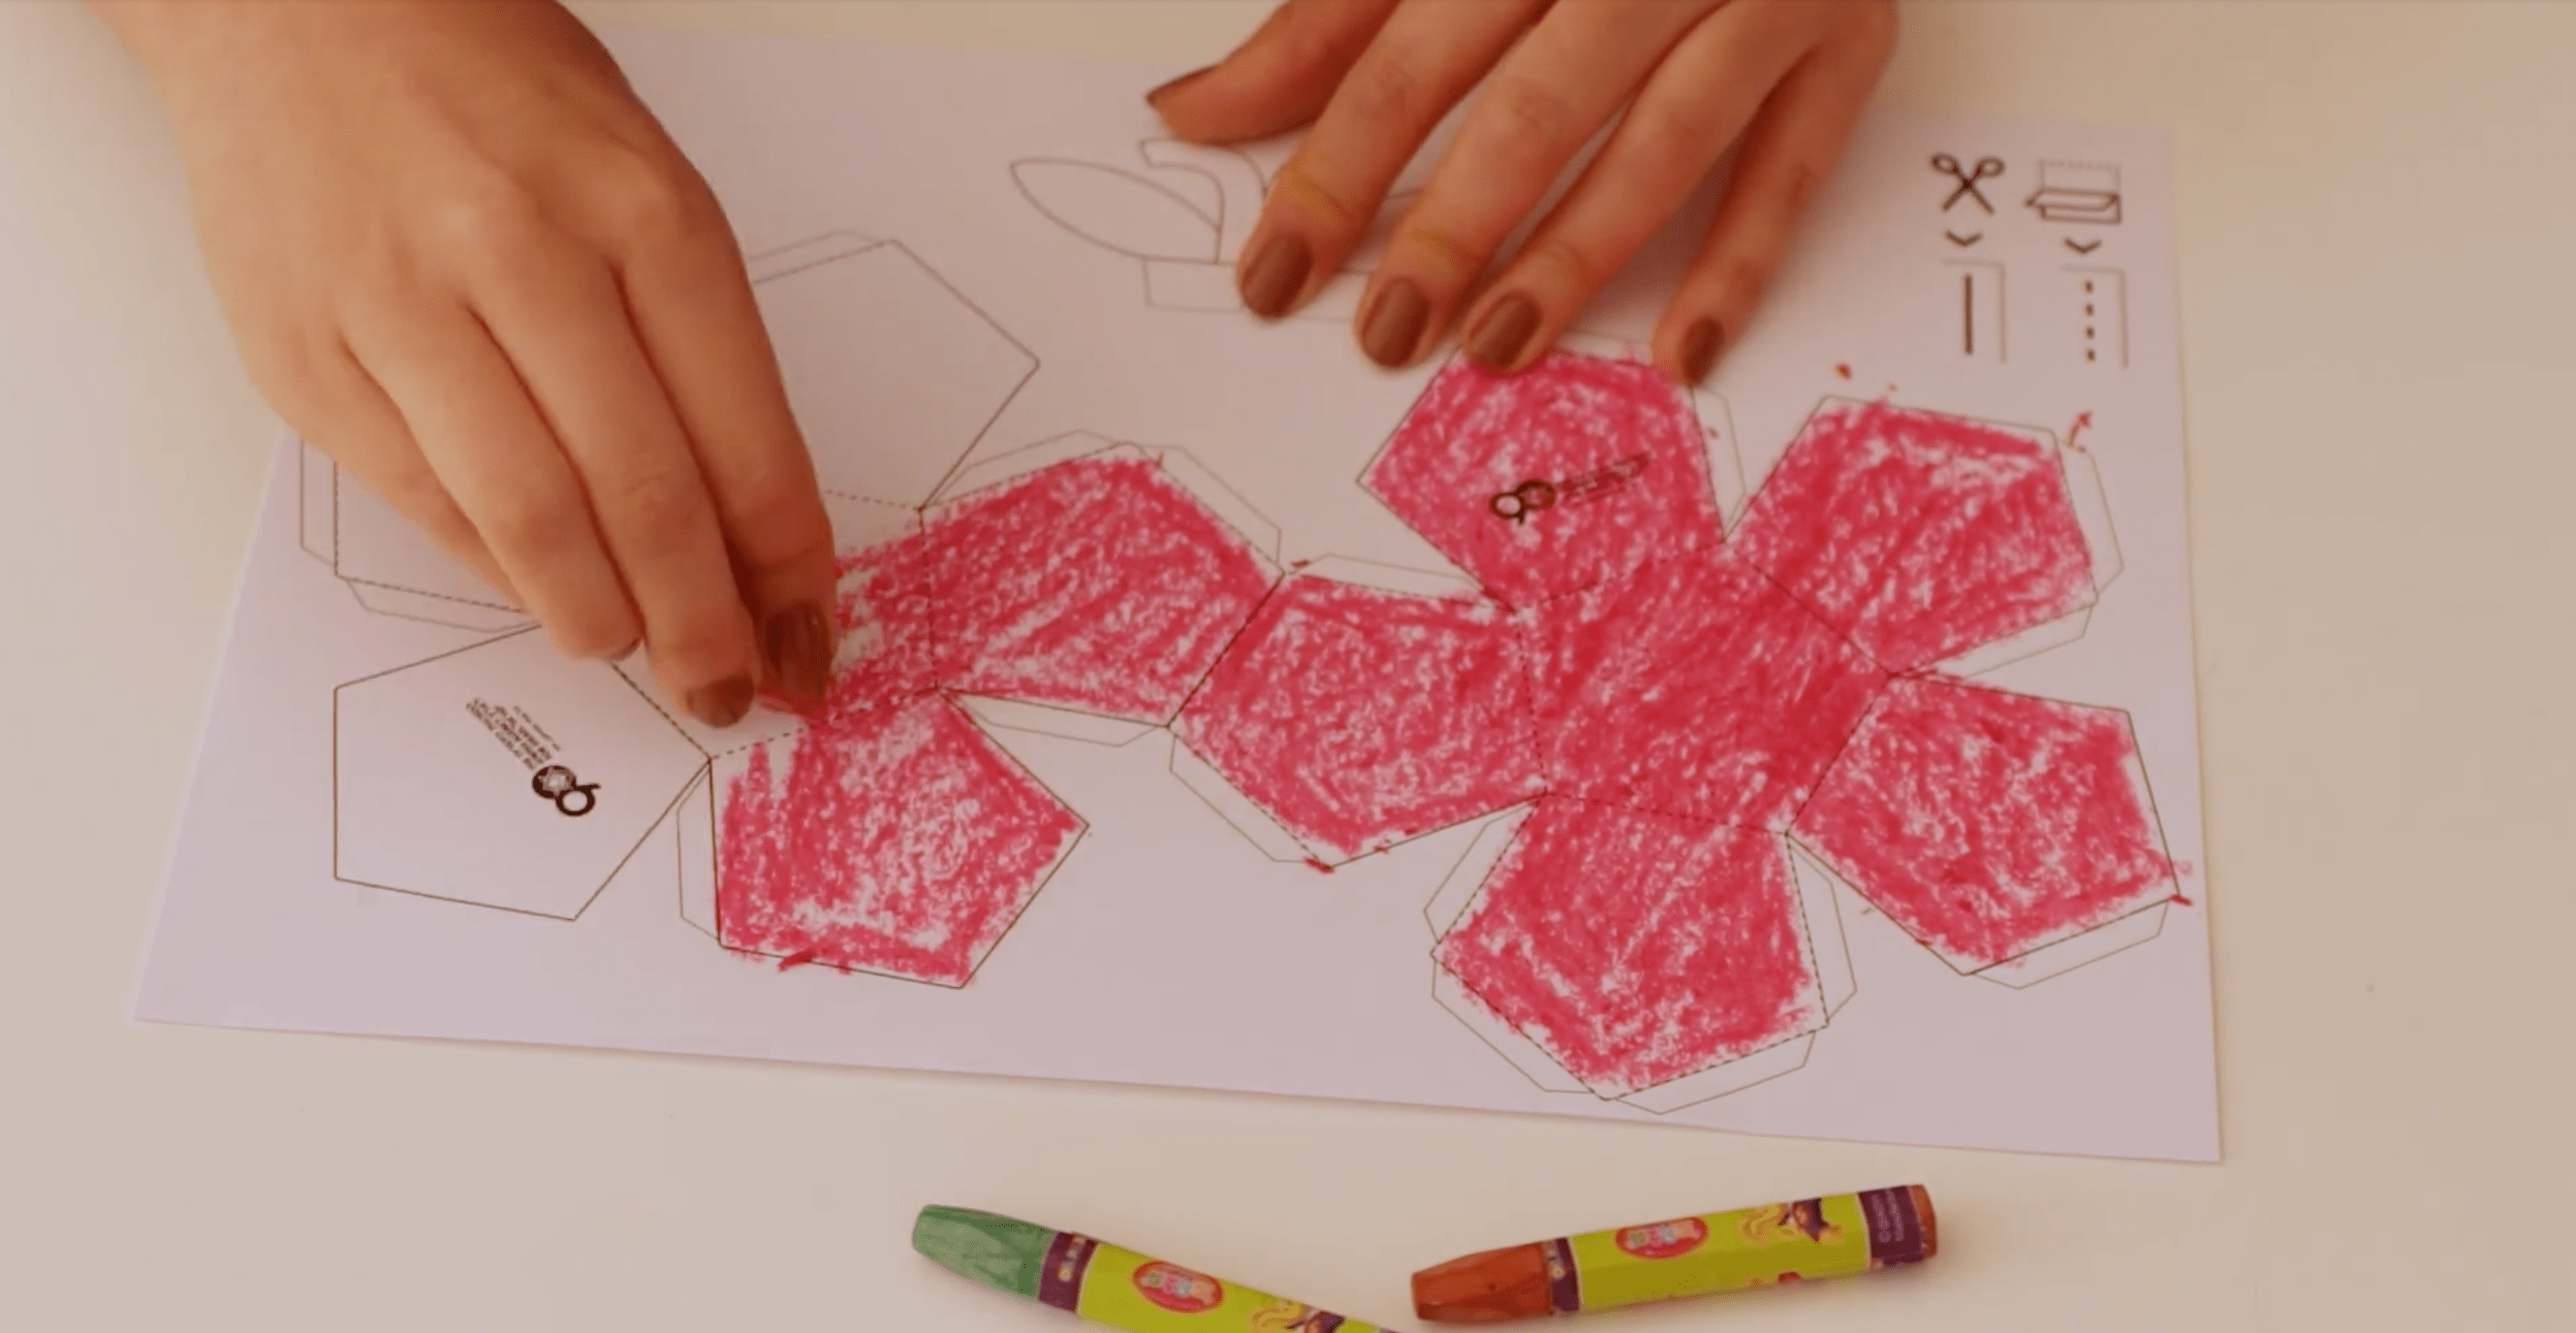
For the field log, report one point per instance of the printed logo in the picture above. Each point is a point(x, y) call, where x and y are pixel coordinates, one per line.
point(1178, 1289)
point(1664, 1240)
point(571, 795)
point(536, 749)
point(1520, 502)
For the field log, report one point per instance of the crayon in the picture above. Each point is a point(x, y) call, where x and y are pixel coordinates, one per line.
point(1835, 1236)
point(1107, 1284)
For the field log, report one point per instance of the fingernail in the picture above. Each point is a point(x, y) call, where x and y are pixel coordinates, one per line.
point(1394, 325)
point(1161, 91)
point(619, 657)
point(723, 703)
point(1504, 333)
point(799, 645)
point(1699, 350)
point(1275, 274)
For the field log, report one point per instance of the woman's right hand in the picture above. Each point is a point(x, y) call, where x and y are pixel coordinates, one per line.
point(460, 256)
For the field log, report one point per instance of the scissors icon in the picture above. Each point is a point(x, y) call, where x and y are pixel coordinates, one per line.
point(1967, 177)
point(570, 794)
point(1521, 501)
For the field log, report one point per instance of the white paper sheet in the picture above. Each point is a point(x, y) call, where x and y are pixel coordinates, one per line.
point(1785, 866)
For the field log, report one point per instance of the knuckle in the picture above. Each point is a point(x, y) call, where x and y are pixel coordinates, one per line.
point(1384, 94)
point(775, 522)
point(1573, 262)
point(530, 531)
point(1436, 245)
point(1799, 186)
point(655, 510)
point(1667, 143)
point(1318, 198)
point(593, 632)
point(649, 198)
point(415, 492)
point(1528, 118)
point(494, 217)
point(702, 646)
point(1741, 275)
point(1309, 35)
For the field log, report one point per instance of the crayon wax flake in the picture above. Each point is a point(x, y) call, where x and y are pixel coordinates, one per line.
point(1989, 824)
point(1358, 717)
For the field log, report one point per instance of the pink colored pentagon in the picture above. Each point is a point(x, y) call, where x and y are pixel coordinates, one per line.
point(1359, 717)
point(1989, 824)
point(899, 840)
point(1636, 949)
point(1574, 471)
point(1098, 584)
point(884, 607)
point(1694, 687)
point(1918, 534)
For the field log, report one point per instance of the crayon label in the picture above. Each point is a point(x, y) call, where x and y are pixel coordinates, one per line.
point(1124, 1289)
point(1068, 1259)
point(1752, 1247)
point(1664, 1240)
point(1896, 1234)
point(1564, 1286)
point(1179, 1290)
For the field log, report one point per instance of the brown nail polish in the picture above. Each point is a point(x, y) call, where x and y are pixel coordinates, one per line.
point(1504, 333)
point(799, 649)
point(723, 703)
point(1161, 91)
point(1699, 350)
point(1394, 324)
point(1275, 275)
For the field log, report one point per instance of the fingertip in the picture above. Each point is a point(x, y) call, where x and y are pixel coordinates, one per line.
point(1504, 338)
point(1275, 272)
point(1694, 355)
point(798, 645)
point(1393, 322)
point(723, 704)
point(1179, 109)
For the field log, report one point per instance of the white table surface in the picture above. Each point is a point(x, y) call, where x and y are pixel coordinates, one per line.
point(2377, 204)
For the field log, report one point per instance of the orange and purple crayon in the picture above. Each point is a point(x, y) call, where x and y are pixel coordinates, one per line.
point(1837, 1235)
point(1107, 1284)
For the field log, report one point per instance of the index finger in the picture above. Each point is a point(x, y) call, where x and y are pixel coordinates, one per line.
point(691, 302)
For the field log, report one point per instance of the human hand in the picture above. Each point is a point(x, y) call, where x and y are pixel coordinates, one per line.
point(462, 258)
point(1785, 78)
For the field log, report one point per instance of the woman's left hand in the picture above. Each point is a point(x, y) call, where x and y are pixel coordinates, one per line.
point(1786, 78)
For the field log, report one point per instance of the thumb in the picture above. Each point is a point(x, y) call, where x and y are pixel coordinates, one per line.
point(1279, 79)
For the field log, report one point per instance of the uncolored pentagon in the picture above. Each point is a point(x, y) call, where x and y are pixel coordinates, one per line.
point(893, 374)
point(502, 775)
